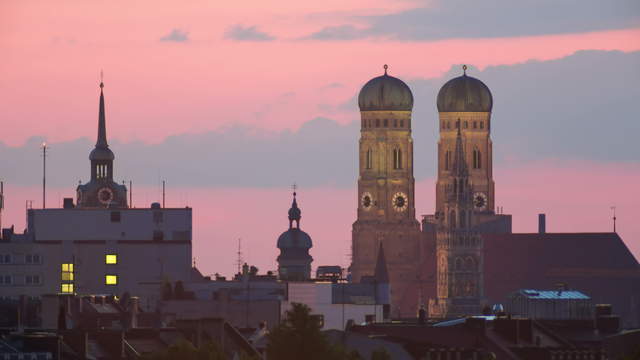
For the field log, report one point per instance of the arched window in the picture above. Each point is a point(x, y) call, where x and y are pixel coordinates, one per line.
point(395, 123)
point(369, 159)
point(448, 124)
point(466, 124)
point(481, 124)
point(469, 264)
point(475, 124)
point(401, 123)
point(459, 264)
point(377, 122)
point(386, 123)
point(463, 219)
point(479, 160)
point(395, 159)
point(452, 218)
point(398, 159)
point(447, 157)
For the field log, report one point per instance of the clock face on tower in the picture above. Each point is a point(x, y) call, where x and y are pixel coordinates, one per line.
point(105, 195)
point(366, 200)
point(479, 201)
point(400, 201)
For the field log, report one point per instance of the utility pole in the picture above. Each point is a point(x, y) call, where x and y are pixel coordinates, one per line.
point(44, 175)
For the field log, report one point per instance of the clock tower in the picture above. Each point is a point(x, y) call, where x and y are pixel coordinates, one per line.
point(102, 191)
point(467, 101)
point(386, 196)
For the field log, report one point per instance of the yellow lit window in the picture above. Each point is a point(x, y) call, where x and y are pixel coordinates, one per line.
point(111, 259)
point(111, 279)
point(67, 276)
point(67, 267)
point(67, 288)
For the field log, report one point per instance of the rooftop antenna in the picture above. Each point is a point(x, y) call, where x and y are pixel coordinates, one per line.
point(44, 174)
point(130, 194)
point(163, 184)
point(1, 203)
point(614, 218)
point(239, 253)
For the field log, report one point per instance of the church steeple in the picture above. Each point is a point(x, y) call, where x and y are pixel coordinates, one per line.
point(102, 127)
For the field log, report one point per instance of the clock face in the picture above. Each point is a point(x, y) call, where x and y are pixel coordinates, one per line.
point(105, 195)
point(400, 201)
point(479, 201)
point(366, 200)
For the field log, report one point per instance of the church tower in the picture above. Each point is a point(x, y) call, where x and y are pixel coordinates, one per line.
point(101, 190)
point(386, 196)
point(459, 248)
point(294, 261)
point(468, 101)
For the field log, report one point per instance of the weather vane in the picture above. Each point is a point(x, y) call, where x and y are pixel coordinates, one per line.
point(464, 69)
point(294, 187)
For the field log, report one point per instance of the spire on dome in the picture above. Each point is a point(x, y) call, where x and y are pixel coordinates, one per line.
point(294, 212)
point(102, 127)
point(459, 167)
point(381, 275)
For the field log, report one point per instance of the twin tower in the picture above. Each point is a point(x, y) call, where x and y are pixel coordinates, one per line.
point(386, 194)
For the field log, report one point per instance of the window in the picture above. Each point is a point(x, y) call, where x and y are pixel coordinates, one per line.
point(111, 259)
point(466, 124)
point(397, 159)
point(32, 279)
point(32, 259)
point(66, 288)
point(481, 124)
point(395, 123)
point(115, 216)
point(475, 124)
point(6, 280)
point(448, 124)
point(377, 122)
point(401, 123)
point(158, 235)
point(477, 159)
point(67, 272)
point(111, 280)
point(5, 258)
point(447, 159)
point(386, 123)
point(369, 159)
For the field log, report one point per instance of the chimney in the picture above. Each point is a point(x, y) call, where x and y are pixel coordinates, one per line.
point(542, 223)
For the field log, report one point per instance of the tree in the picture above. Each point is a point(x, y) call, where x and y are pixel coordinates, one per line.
point(178, 290)
point(185, 350)
point(298, 337)
point(167, 291)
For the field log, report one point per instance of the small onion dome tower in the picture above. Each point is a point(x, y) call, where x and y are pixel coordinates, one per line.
point(294, 261)
point(464, 94)
point(385, 93)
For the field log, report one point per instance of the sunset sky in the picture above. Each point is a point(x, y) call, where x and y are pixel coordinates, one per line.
point(232, 102)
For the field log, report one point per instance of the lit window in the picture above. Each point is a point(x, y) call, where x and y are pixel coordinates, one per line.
point(67, 276)
point(66, 288)
point(67, 267)
point(111, 259)
point(111, 280)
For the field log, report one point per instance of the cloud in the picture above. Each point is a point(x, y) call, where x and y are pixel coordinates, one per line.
point(247, 33)
point(342, 32)
point(491, 18)
point(176, 35)
point(579, 108)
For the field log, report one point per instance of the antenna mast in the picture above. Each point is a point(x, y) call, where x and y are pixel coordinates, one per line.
point(239, 253)
point(44, 174)
point(1, 204)
point(163, 183)
point(614, 218)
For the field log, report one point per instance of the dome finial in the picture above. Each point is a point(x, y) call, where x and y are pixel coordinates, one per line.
point(464, 70)
point(294, 211)
point(385, 68)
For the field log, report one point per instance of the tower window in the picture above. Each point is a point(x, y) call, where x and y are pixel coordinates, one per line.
point(466, 124)
point(386, 123)
point(401, 123)
point(477, 159)
point(475, 124)
point(447, 159)
point(397, 159)
point(448, 124)
point(66, 288)
point(481, 124)
point(395, 123)
point(369, 159)
point(377, 123)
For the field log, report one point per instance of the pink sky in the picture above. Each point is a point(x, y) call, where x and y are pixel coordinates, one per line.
point(564, 191)
point(52, 53)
